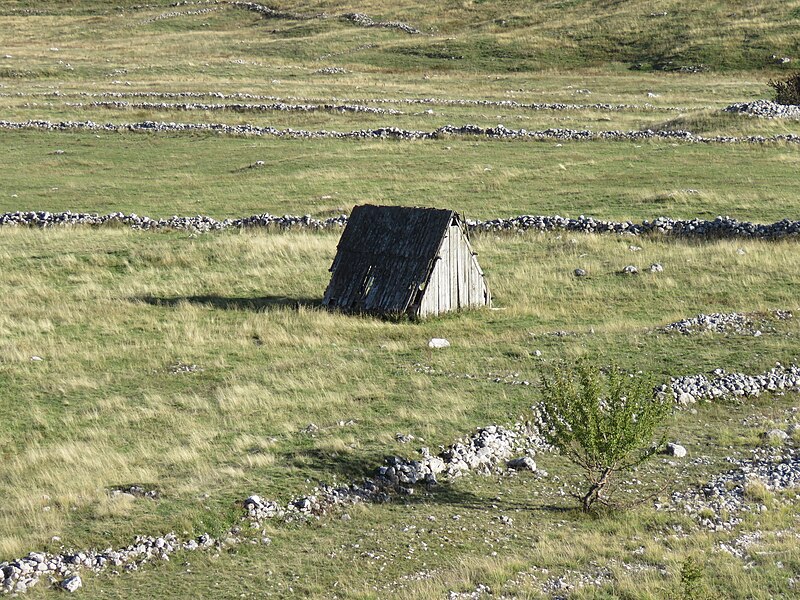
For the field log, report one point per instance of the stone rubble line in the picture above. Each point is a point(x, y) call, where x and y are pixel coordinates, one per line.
point(554, 106)
point(765, 109)
point(693, 388)
point(396, 133)
point(273, 107)
point(188, 13)
point(270, 13)
point(720, 227)
point(736, 323)
point(483, 451)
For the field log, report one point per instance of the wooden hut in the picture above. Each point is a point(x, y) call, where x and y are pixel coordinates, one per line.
point(393, 260)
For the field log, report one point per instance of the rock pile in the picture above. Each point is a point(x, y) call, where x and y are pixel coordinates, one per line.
point(765, 109)
point(486, 450)
point(726, 323)
point(721, 227)
point(500, 132)
point(693, 388)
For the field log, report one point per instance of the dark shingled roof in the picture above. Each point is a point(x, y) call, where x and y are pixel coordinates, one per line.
point(384, 255)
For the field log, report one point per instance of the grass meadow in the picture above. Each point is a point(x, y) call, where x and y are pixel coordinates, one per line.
point(193, 364)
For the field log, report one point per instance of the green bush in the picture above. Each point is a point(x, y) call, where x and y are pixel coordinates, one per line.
point(788, 90)
point(604, 421)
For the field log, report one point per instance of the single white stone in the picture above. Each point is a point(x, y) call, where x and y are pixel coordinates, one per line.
point(676, 450)
point(72, 584)
point(438, 343)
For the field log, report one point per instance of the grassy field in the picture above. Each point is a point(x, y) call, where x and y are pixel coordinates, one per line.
point(193, 364)
point(164, 175)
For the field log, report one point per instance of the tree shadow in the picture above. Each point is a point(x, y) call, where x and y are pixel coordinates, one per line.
point(446, 494)
point(347, 468)
point(258, 304)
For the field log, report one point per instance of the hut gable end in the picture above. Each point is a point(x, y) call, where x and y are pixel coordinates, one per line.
point(395, 260)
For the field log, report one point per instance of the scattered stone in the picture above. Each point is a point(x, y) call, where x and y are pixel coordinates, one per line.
point(181, 367)
point(719, 505)
point(656, 268)
point(36, 358)
point(580, 273)
point(135, 491)
point(331, 71)
point(630, 270)
point(480, 591)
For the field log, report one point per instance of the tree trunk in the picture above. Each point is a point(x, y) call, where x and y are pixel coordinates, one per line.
point(593, 495)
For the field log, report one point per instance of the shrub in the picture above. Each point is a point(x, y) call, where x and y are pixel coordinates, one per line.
point(788, 90)
point(603, 421)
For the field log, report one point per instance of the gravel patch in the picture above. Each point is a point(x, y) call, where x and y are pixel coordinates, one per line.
point(721, 504)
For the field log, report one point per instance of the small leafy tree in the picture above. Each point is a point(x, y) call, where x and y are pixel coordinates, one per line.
point(788, 90)
point(604, 421)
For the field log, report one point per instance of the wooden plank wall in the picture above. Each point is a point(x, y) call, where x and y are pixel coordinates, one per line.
point(456, 281)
